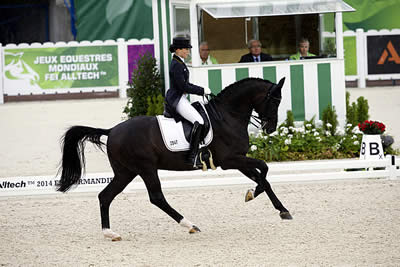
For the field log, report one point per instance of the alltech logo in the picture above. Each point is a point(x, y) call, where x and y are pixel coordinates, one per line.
point(389, 54)
point(383, 54)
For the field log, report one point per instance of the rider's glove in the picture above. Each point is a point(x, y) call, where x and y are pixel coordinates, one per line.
point(207, 91)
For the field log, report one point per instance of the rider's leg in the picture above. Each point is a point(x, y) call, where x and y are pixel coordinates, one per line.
point(186, 110)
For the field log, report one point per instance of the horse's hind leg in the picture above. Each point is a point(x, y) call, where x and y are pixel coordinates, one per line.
point(157, 198)
point(121, 179)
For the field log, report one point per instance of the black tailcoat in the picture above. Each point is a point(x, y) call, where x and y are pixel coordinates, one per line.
point(179, 80)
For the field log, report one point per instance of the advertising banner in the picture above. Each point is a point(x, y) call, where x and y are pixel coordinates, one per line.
point(383, 54)
point(372, 15)
point(36, 185)
point(112, 19)
point(38, 69)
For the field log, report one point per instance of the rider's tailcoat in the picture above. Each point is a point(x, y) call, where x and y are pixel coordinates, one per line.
point(179, 78)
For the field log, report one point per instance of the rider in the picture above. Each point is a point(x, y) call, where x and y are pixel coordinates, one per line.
point(176, 97)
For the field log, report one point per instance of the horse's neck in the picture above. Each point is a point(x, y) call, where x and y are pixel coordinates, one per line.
point(237, 102)
point(240, 104)
point(230, 114)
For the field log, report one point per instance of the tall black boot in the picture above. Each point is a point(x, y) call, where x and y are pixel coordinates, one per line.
point(194, 143)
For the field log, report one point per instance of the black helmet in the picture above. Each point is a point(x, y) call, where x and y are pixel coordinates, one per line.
point(179, 43)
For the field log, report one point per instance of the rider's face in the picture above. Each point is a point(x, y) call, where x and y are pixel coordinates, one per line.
point(182, 52)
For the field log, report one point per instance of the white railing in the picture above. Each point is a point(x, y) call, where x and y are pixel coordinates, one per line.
point(362, 56)
point(312, 170)
point(122, 52)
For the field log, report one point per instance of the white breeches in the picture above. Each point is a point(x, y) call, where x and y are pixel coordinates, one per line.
point(186, 110)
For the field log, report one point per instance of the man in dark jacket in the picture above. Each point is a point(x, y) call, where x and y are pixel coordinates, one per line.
point(255, 54)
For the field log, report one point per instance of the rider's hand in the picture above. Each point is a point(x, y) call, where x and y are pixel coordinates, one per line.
point(207, 91)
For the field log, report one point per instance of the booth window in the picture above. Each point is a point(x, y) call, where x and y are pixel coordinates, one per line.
point(181, 20)
point(279, 25)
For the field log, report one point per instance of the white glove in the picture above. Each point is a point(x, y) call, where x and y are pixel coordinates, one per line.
point(207, 91)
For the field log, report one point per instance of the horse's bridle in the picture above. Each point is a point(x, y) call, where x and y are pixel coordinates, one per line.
point(263, 119)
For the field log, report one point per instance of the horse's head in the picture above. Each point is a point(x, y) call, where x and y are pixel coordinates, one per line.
point(268, 107)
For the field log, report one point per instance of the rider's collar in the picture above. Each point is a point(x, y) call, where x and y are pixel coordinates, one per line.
point(181, 59)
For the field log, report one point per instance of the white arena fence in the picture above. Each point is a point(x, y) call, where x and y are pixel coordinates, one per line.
point(313, 170)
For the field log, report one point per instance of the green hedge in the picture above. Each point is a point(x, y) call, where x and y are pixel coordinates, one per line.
point(145, 89)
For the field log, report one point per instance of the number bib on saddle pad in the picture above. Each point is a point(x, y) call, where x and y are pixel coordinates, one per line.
point(173, 133)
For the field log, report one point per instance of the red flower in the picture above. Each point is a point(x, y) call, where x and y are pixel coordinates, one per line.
point(372, 127)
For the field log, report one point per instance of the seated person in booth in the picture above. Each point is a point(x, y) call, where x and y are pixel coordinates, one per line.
point(206, 58)
point(304, 46)
point(255, 54)
point(177, 103)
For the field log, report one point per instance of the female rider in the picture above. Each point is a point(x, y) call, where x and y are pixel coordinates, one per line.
point(176, 97)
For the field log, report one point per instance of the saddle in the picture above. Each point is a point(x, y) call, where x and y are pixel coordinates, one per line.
point(188, 126)
point(176, 134)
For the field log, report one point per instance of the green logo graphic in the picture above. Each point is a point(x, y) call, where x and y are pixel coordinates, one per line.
point(61, 67)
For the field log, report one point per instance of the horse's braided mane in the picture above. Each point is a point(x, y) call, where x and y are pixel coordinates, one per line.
point(232, 88)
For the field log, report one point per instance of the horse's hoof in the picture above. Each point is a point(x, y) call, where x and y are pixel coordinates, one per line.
point(285, 215)
point(249, 195)
point(108, 233)
point(194, 230)
point(118, 238)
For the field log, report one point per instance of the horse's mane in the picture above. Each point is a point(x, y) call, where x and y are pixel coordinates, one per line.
point(234, 87)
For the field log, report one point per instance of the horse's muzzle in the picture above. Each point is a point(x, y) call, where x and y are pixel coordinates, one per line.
point(269, 126)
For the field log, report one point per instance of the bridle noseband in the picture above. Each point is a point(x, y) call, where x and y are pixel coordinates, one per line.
point(262, 119)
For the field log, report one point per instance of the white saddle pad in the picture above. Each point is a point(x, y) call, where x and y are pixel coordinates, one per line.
point(173, 136)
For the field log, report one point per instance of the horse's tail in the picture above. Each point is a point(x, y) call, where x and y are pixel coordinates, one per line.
point(73, 156)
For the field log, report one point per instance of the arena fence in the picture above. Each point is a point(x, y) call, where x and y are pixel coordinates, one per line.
point(313, 170)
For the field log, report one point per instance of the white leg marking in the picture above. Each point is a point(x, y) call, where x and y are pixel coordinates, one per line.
point(108, 233)
point(186, 223)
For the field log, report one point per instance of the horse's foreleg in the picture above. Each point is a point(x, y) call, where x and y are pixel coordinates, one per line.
point(254, 175)
point(264, 186)
point(257, 171)
point(106, 196)
point(157, 198)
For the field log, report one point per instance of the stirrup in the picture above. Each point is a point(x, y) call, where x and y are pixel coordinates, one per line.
point(195, 163)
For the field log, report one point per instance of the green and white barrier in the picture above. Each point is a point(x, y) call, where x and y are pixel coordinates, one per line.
point(310, 86)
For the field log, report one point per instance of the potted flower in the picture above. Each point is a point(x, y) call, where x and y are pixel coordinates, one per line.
point(371, 145)
point(372, 127)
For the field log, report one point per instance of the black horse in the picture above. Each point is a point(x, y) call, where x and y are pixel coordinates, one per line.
point(135, 147)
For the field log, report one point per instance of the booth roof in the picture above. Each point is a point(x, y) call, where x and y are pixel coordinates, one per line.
point(260, 8)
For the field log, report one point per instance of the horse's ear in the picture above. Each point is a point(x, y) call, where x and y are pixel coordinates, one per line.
point(281, 82)
point(276, 90)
